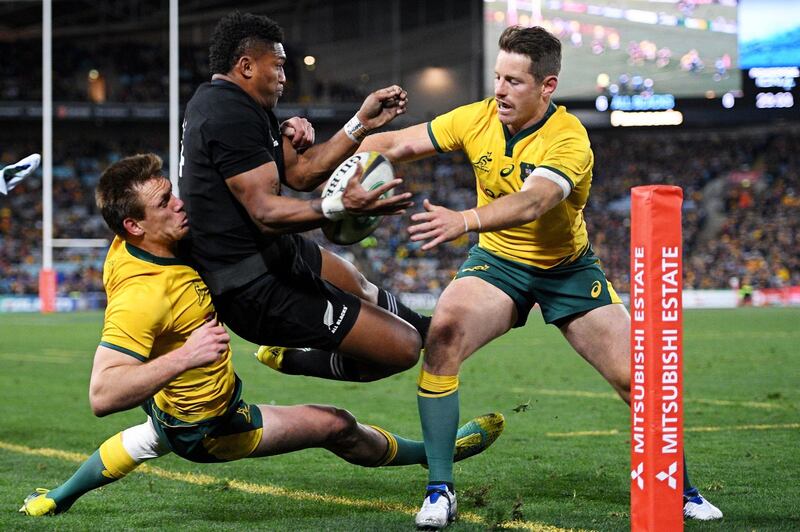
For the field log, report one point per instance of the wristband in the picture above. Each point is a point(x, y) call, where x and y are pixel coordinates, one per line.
point(466, 227)
point(355, 130)
point(477, 218)
point(333, 208)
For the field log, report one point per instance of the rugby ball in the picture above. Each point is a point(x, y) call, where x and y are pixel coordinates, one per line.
point(377, 170)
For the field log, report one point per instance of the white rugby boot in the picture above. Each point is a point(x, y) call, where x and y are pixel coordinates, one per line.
point(439, 508)
point(695, 506)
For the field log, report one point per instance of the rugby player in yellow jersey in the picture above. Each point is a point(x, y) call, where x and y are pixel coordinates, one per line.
point(163, 349)
point(533, 165)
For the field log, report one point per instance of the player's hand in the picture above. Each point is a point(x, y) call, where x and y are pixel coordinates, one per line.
point(299, 131)
point(436, 225)
point(206, 344)
point(382, 106)
point(360, 202)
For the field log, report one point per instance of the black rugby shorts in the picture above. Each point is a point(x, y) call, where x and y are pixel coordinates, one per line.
point(291, 305)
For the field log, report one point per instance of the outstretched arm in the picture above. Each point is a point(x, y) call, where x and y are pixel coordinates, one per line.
point(308, 169)
point(257, 190)
point(439, 224)
point(403, 145)
point(120, 382)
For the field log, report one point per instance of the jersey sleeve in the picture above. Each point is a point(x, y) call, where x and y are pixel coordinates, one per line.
point(237, 142)
point(568, 161)
point(134, 318)
point(448, 131)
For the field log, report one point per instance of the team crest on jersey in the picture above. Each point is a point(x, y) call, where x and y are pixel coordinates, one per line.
point(526, 169)
point(202, 292)
point(483, 163)
point(245, 412)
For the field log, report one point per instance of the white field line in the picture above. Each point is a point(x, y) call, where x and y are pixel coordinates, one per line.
point(275, 491)
point(614, 432)
point(612, 395)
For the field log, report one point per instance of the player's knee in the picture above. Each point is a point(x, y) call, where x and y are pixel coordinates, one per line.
point(342, 427)
point(142, 442)
point(406, 346)
point(446, 331)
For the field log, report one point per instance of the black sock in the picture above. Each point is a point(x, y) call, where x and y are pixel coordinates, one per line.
point(421, 323)
point(319, 363)
point(331, 365)
point(687, 485)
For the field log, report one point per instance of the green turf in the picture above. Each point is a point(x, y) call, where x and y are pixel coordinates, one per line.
point(741, 368)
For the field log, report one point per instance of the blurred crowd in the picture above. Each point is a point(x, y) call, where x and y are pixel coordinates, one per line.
point(741, 214)
point(121, 73)
point(77, 166)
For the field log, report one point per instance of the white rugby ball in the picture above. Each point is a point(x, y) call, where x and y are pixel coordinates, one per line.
point(377, 170)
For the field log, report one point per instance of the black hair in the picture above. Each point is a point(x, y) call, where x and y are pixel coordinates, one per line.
point(237, 34)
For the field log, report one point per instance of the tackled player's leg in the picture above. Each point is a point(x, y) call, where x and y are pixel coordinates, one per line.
point(116, 457)
point(291, 428)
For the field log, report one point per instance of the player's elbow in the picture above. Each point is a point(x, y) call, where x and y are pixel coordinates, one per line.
point(100, 407)
point(304, 182)
point(267, 218)
point(100, 401)
point(534, 207)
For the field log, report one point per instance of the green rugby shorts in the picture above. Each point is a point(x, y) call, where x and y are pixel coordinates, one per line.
point(561, 291)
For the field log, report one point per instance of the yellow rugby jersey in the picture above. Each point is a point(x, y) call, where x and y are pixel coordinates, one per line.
point(154, 304)
point(557, 148)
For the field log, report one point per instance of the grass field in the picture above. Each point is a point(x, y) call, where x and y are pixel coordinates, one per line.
point(742, 400)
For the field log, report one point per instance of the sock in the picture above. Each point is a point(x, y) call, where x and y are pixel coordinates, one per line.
point(401, 451)
point(437, 399)
point(109, 463)
point(388, 302)
point(319, 363)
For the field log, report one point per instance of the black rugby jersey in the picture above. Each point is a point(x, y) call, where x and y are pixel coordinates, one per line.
point(225, 133)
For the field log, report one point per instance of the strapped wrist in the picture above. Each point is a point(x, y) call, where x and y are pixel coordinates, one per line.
point(355, 130)
point(333, 208)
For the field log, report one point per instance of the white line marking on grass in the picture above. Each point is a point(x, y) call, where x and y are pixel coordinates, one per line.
point(614, 432)
point(199, 479)
point(50, 354)
point(612, 395)
point(36, 359)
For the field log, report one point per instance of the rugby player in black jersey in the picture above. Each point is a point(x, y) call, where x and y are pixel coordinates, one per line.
point(271, 285)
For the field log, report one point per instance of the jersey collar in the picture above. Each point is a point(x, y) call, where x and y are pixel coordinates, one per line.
point(139, 253)
point(511, 141)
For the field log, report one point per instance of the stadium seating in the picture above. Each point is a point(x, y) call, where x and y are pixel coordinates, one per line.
point(741, 212)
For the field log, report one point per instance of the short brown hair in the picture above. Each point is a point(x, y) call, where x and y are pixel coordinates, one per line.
point(542, 47)
point(117, 196)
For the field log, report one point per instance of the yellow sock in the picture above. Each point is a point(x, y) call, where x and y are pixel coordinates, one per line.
point(430, 385)
point(391, 448)
point(116, 460)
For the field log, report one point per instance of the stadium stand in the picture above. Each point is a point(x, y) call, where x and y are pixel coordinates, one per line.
point(741, 211)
